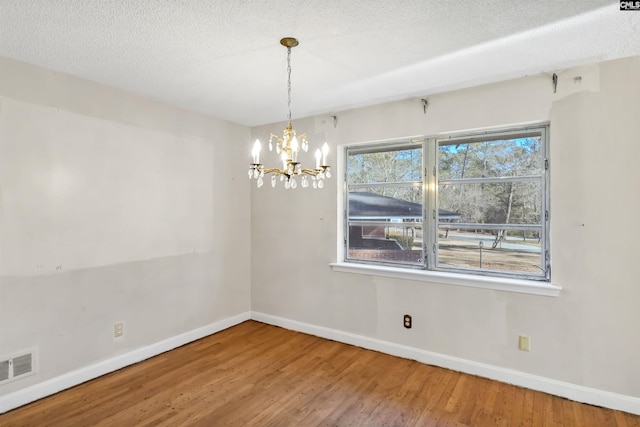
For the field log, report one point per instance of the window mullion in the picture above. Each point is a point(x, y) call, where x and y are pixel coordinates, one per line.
point(385, 184)
point(492, 180)
point(429, 203)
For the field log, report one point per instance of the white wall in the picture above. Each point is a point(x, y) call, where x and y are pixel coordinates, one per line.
point(113, 208)
point(587, 336)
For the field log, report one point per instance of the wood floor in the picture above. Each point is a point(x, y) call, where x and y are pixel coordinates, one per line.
point(259, 375)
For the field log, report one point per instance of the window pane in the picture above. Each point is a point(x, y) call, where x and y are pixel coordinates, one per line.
point(388, 203)
point(510, 157)
point(502, 203)
point(402, 165)
point(513, 251)
point(393, 243)
point(385, 219)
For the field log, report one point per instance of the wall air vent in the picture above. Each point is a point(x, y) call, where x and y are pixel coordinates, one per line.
point(17, 366)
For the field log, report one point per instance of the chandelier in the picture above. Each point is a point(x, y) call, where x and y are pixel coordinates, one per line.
point(288, 148)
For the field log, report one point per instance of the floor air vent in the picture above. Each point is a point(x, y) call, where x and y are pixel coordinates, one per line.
point(16, 366)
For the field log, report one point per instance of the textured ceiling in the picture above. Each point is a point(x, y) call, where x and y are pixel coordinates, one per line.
point(223, 58)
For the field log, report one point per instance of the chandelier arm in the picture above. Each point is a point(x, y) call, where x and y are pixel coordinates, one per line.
point(315, 172)
point(277, 171)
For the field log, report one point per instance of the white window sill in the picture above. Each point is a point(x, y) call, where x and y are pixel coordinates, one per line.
point(495, 283)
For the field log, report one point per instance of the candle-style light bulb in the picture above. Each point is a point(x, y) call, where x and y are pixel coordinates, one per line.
point(325, 151)
point(294, 148)
point(256, 151)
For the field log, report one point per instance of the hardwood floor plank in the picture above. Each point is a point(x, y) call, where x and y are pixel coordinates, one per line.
point(259, 375)
point(361, 380)
point(412, 394)
point(632, 420)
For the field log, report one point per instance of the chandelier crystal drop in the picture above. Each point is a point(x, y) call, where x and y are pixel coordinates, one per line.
point(288, 147)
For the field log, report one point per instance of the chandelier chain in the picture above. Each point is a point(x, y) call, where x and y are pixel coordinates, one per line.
point(289, 83)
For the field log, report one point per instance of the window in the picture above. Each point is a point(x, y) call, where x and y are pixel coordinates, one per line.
point(475, 204)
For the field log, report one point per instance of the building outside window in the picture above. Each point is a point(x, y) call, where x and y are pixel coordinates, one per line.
point(472, 203)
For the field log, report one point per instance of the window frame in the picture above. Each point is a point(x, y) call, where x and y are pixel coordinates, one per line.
point(430, 179)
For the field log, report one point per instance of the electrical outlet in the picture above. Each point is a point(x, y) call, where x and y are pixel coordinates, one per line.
point(524, 343)
point(118, 329)
point(407, 321)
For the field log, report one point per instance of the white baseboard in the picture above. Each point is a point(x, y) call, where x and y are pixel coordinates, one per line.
point(54, 385)
point(571, 391)
point(559, 388)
